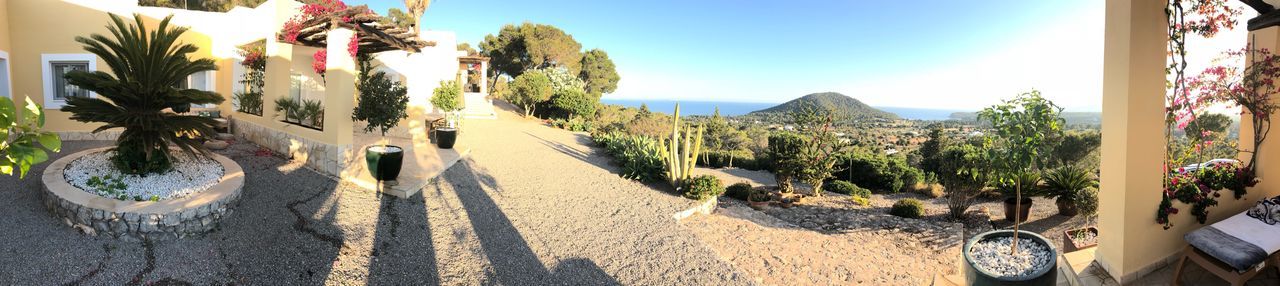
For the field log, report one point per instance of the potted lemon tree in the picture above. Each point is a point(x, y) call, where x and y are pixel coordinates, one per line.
point(447, 99)
point(382, 103)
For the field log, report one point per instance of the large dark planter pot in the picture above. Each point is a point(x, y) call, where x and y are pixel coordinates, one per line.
point(445, 137)
point(1047, 275)
point(1067, 207)
point(1025, 211)
point(384, 161)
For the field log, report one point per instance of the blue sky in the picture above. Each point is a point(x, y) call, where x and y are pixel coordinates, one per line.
point(928, 54)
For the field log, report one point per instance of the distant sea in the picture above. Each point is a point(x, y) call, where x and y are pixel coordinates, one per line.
point(740, 108)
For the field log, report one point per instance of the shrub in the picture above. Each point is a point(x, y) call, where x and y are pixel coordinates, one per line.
point(933, 190)
point(908, 208)
point(738, 158)
point(640, 157)
point(847, 188)
point(22, 151)
point(861, 201)
point(739, 191)
point(573, 103)
point(877, 171)
point(1067, 181)
point(962, 170)
point(576, 124)
point(759, 195)
point(703, 187)
point(137, 97)
point(1087, 202)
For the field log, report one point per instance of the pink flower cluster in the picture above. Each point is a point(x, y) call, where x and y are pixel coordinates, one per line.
point(293, 27)
point(353, 46)
point(319, 64)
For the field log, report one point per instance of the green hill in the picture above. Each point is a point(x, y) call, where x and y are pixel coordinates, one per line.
point(842, 106)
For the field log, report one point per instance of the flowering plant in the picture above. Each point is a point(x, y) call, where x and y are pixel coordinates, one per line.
point(293, 27)
point(319, 60)
point(353, 46)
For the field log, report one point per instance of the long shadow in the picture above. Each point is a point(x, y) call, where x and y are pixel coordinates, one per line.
point(596, 157)
point(403, 251)
point(273, 235)
point(513, 260)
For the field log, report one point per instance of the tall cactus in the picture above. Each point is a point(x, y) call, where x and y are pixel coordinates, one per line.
point(680, 159)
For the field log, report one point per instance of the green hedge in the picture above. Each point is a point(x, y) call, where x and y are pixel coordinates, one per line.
point(908, 208)
point(721, 158)
point(847, 188)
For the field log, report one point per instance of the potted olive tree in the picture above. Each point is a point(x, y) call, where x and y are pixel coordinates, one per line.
point(1008, 257)
point(446, 98)
point(382, 104)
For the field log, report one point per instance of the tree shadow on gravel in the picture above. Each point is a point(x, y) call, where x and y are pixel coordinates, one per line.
point(279, 231)
point(403, 250)
point(514, 261)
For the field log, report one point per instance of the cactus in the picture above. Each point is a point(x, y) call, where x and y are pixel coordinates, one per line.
point(679, 158)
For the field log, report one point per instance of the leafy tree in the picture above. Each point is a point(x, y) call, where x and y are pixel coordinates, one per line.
point(1206, 125)
point(148, 65)
point(819, 153)
point(930, 149)
point(18, 138)
point(447, 97)
point(783, 149)
point(382, 102)
point(598, 72)
point(202, 5)
point(467, 47)
point(1073, 147)
point(562, 80)
point(574, 103)
point(516, 49)
point(530, 89)
point(398, 18)
point(1022, 126)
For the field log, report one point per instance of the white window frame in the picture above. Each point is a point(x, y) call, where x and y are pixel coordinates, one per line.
point(46, 74)
point(8, 72)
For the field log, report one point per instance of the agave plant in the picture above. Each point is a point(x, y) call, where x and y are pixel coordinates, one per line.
point(142, 96)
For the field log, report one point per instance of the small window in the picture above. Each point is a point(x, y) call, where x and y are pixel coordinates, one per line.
point(62, 89)
point(55, 67)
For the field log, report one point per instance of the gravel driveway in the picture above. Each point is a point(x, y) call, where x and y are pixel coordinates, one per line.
point(532, 205)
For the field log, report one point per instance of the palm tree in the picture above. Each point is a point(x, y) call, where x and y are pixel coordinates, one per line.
point(416, 9)
point(143, 96)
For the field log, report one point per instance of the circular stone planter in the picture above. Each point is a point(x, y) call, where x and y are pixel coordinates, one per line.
point(174, 218)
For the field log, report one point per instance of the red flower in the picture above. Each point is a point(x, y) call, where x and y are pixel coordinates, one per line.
point(320, 58)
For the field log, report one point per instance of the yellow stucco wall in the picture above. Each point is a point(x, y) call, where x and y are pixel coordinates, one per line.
point(59, 24)
point(4, 25)
point(1131, 243)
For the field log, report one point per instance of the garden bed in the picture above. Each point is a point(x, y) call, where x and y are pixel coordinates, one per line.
point(95, 174)
point(184, 213)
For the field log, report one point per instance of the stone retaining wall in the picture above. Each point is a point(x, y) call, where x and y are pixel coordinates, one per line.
point(325, 158)
point(176, 218)
point(86, 135)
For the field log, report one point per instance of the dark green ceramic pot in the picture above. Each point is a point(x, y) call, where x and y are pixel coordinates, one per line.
point(445, 137)
point(384, 161)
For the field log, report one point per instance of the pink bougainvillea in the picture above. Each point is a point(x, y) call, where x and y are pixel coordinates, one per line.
point(319, 64)
point(293, 27)
point(353, 46)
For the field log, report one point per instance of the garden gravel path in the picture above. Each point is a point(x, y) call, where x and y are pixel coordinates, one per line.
point(532, 205)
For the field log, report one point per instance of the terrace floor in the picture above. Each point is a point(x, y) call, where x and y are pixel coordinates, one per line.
point(530, 205)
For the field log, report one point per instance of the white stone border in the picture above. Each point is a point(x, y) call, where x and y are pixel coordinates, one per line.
point(192, 214)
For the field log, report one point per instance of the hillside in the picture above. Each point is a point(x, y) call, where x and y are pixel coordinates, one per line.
point(841, 105)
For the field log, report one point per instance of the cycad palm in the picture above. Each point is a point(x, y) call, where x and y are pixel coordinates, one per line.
point(142, 94)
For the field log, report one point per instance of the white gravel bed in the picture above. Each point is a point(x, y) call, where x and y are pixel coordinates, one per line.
point(992, 255)
point(189, 175)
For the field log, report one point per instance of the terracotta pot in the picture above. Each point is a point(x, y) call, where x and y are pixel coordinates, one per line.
point(1067, 207)
point(760, 205)
point(1069, 243)
point(1009, 205)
